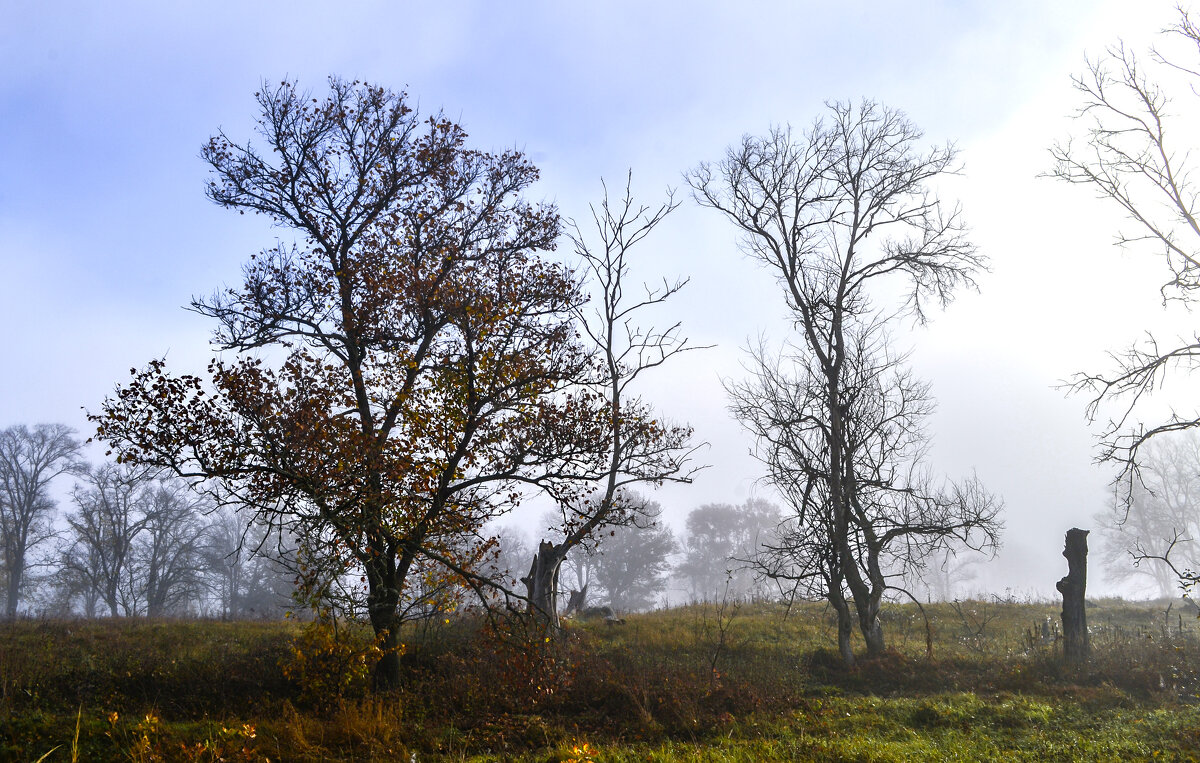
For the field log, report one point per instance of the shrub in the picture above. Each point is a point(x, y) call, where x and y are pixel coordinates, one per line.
point(328, 663)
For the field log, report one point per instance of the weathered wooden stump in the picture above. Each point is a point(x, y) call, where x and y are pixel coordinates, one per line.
point(1073, 587)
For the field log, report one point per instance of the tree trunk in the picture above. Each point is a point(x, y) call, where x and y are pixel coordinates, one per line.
point(233, 606)
point(1072, 588)
point(541, 585)
point(872, 631)
point(383, 601)
point(12, 595)
point(10, 605)
point(866, 600)
point(578, 601)
point(154, 597)
point(387, 670)
point(872, 627)
point(845, 627)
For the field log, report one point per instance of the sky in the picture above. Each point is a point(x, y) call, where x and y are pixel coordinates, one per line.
point(105, 233)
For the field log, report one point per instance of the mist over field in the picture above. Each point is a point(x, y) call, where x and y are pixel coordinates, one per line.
point(533, 339)
point(108, 235)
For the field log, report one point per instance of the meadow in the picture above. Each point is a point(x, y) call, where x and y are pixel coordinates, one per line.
point(708, 682)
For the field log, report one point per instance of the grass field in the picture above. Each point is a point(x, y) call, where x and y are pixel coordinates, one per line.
point(699, 683)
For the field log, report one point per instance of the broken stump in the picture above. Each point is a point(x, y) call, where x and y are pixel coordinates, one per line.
point(1073, 587)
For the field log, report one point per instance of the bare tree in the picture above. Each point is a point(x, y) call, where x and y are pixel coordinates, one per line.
point(513, 551)
point(945, 574)
point(1135, 152)
point(250, 570)
point(576, 570)
point(838, 213)
point(1160, 519)
point(579, 568)
point(69, 592)
point(30, 460)
point(225, 560)
point(108, 517)
point(136, 543)
point(640, 447)
point(168, 556)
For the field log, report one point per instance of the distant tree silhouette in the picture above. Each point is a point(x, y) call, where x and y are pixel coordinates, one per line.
point(168, 555)
point(719, 544)
point(1159, 520)
point(633, 565)
point(30, 461)
point(109, 514)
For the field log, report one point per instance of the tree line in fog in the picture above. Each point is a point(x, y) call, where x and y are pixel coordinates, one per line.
point(120, 541)
point(126, 541)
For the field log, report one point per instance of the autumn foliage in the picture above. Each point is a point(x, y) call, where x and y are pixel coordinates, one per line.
point(396, 376)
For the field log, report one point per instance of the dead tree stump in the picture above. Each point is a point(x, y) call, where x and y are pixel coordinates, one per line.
point(541, 584)
point(1073, 588)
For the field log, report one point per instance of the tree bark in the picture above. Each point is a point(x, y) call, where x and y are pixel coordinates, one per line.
point(1073, 588)
point(578, 601)
point(867, 595)
point(154, 595)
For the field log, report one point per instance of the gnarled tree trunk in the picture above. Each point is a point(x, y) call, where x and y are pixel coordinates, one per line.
point(541, 585)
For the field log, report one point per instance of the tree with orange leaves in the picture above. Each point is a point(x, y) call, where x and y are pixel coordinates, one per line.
point(399, 374)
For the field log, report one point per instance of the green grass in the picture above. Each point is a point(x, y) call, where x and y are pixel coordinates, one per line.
point(691, 684)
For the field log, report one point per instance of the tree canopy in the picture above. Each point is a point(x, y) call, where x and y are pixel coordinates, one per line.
point(398, 374)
